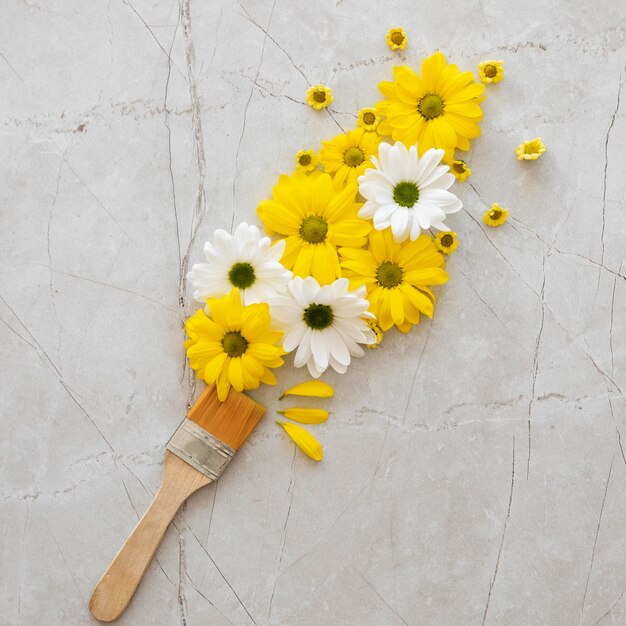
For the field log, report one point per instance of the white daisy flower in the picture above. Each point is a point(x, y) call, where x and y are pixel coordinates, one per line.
point(326, 324)
point(406, 192)
point(244, 260)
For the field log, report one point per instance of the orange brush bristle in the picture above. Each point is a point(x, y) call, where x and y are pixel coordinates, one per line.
point(230, 421)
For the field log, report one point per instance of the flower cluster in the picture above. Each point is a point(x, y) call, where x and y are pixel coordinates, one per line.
point(360, 237)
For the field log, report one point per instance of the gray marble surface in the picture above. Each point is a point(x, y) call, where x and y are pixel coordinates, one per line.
point(474, 471)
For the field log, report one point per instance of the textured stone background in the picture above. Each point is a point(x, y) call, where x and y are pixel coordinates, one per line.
point(474, 470)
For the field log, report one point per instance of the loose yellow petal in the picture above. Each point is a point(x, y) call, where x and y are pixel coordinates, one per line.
point(305, 416)
point(304, 440)
point(316, 388)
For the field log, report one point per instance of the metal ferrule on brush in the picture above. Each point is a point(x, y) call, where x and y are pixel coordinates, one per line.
point(200, 449)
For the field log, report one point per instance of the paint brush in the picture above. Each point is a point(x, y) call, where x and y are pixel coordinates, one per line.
point(196, 455)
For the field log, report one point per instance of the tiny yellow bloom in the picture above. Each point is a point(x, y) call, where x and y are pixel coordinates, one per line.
point(304, 440)
point(378, 331)
point(306, 160)
point(447, 242)
point(495, 216)
point(316, 388)
point(530, 150)
point(397, 39)
point(319, 96)
point(368, 119)
point(491, 71)
point(305, 416)
point(347, 155)
point(460, 169)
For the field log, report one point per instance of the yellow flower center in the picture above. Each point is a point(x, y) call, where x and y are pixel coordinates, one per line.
point(495, 214)
point(406, 194)
point(241, 275)
point(430, 106)
point(490, 71)
point(389, 274)
point(459, 167)
point(305, 160)
point(318, 316)
point(397, 38)
point(369, 118)
point(354, 156)
point(319, 95)
point(313, 229)
point(447, 241)
point(531, 148)
point(234, 344)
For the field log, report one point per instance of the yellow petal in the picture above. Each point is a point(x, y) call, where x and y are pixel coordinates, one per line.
point(305, 416)
point(304, 440)
point(317, 388)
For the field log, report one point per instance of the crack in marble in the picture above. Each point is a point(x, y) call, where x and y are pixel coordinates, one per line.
point(245, 112)
point(296, 67)
point(378, 595)
point(535, 371)
point(505, 526)
point(158, 43)
point(595, 540)
point(606, 167)
point(219, 571)
point(169, 137)
point(283, 537)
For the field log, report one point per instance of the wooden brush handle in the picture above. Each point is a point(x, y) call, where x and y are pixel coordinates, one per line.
point(120, 581)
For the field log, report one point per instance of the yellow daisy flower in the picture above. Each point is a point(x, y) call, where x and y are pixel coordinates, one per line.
point(495, 216)
point(235, 346)
point(348, 155)
point(319, 97)
point(396, 277)
point(447, 242)
point(491, 71)
point(314, 216)
point(397, 39)
point(439, 109)
point(460, 169)
point(306, 160)
point(530, 150)
point(368, 120)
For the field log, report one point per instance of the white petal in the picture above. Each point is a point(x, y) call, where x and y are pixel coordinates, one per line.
point(303, 354)
point(320, 348)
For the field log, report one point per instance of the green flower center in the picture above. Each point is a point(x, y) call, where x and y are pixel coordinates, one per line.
point(313, 229)
point(495, 214)
point(490, 71)
point(447, 241)
point(369, 117)
point(459, 167)
point(397, 38)
point(241, 275)
point(305, 160)
point(234, 344)
point(353, 156)
point(318, 316)
point(430, 106)
point(389, 275)
point(319, 95)
point(406, 194)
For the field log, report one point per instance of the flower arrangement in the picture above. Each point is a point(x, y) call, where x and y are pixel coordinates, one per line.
point(360, 239)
